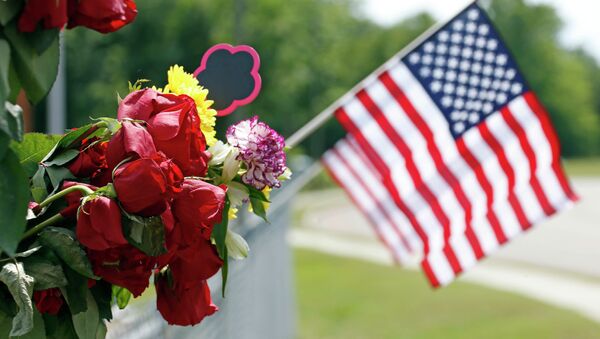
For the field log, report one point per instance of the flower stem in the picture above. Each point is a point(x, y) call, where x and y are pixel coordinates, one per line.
point(50, 221)
point(81, 188)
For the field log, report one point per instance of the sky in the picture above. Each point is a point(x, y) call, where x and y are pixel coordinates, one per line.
point(580, 16)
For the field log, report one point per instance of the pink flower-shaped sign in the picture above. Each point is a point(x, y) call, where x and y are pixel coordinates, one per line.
point(230, 73)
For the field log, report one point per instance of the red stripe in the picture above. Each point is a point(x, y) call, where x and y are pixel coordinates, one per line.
point(441, 167)
point(342, 116)
point(550, 133)
point(333, 175)
point(484, 183)
point(398, 141)
point(508, 171)
point(373, 197)
point(429, 273)
point(531, 157)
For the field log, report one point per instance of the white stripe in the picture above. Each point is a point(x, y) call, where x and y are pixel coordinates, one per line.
point(380, 194)
point(520, 165)
point(440, 267)
point(399, 175)
point(425, 165)
point(444, 141)
point(366, 204)
point(497, 178)
point(543, 153)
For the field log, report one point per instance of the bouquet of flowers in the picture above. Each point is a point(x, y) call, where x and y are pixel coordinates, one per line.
point(120, 202)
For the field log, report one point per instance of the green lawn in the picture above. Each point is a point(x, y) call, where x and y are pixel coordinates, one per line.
point(344, 298)
point(582, 167)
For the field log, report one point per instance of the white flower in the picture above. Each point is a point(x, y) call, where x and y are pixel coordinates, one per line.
point(237, 247)
point(237, 193)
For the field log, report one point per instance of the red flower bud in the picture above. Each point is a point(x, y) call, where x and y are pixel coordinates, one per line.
point(124, 266)
point(103, 16)
point(52, 14)
point(180, 305)
point(48, 301)
point(132, 140)
point(174, 124)
point(145, 186)
point(99, 224)
point(73, 199)
point(199, 205)
point(90, 161)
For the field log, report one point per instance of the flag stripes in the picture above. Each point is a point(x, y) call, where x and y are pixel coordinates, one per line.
point(450, 201)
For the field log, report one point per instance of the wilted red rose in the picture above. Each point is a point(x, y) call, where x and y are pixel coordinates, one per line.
point(180, 305)
point(48, 301)
point(174, 124)
point(99, 224)
point(124, 266)
point(73, 199)
point(52, 14)
point(145, 186)
point(103, 16)
point(131, 141)
point(194, 261)
point(199, 205)
point(91, 159)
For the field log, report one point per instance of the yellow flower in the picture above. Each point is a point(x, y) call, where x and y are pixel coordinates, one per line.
point(180, 82)
point(232, 214)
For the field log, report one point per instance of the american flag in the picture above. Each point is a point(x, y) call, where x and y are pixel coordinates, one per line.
point(449, 154)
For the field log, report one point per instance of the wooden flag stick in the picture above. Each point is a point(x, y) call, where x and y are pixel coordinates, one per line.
point(321, 118)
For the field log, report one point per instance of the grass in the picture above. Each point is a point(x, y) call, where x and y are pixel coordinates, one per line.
point(344, 298)
point(582, 167)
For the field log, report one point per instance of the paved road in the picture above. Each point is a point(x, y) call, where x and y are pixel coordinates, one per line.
point(557, 261)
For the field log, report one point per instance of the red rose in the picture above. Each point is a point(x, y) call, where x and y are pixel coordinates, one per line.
point(124, 266)
point(73, 199)
point(199, 205)
point(91, 160)
point(180, 305)
point(145, 186)
point(52, 14)
point(48, 301)
point(132, 140)
point(195, 261)
point(104, 16)
point(99, 224)
point(174, 124)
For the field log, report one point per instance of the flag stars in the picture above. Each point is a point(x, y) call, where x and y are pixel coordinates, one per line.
point(436, 86)
point(516, 88)
point(459, 127)
point(429, 47)
point(442, 48)
point(473, 14)
point(451, 75)
point(492, 44)
point(427, 59)
point(425, 72)
point(484, 29)
point(478, 55)
point(446, 101)
point(449, 88)
point(463, 78)
point(510, 74)
point(471, 27)
point(456, 38)
point(443, 36)
point(452, 63)
point(481, 42)
point(490, 57)
point(438, 73)
point(501, 59)
point(440, 61)
point(467, 52)
point(487, 108)
point(458, 25)
point(414, 58)
point(454, 50)
point(469, 40)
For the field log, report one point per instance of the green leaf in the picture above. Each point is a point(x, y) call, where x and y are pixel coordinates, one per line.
point(258, 207)
point(147, 234)
point(5, 324)
point(257, 194)
point(59, 326)
point(39, 192)
point(102, 292)
point(42, 38)
point(58, 174)
point(4, 69)
point(11, 120)
point(20, 286)
point(46, 274)
point(87, 324)
point(63, 157)
point(219, 234)
point(121, 295)
point(70, 140)
point(13, 204)
point(8, 10)
point(33, 149)
point(39, 328)
point(4, 143)
point(63, 242)
point(36, 71)
point(75, 291)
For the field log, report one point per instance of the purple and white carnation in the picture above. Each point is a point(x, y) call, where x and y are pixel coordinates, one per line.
point(261, 149)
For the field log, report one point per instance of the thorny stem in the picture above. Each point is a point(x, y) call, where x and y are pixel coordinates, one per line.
point(81, 188)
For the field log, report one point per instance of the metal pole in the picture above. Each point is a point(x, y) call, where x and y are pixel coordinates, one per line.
point(56, 105)
point(322, 117)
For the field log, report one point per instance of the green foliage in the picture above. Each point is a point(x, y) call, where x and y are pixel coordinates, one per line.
point(13, 205)
point(46, 273)
point(147, 234)
point(33, 149)
point(64, 243)
point(219, 234)
point(20, 286)
point(121, 296)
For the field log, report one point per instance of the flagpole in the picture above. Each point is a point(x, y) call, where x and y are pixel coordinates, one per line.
point(321, 118)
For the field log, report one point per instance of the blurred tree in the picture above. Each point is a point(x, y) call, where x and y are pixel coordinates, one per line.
point(312, 52)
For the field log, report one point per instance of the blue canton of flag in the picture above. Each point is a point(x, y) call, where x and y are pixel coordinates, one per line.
point(467, 70)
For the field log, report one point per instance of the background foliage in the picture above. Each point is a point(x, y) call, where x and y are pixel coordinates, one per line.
point(312, 52)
